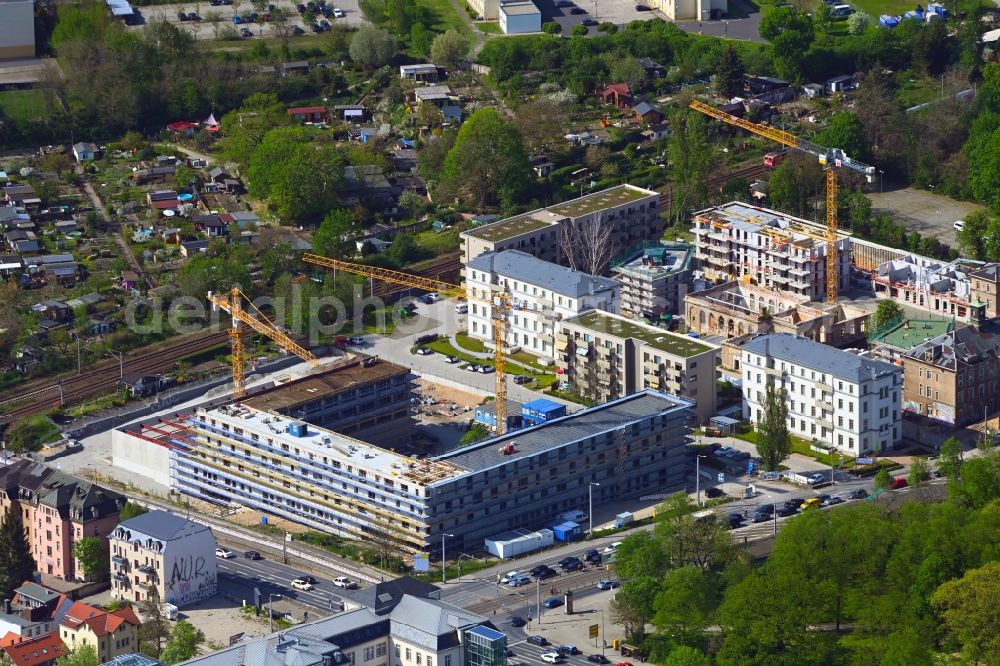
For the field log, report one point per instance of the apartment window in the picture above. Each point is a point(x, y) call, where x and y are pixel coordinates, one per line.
point(369, 653)
point(430, 660)
point(408, 657)
point(397, 650)
point(419, 659)
point(447, 660)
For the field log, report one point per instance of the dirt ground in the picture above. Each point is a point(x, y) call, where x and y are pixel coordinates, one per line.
point(446, 420)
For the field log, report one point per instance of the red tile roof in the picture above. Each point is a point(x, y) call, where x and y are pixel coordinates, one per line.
point(42, 650)
point(306, 110)
point(100, 621)
point(620, 88)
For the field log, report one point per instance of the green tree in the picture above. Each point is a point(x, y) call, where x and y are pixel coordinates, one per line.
point(685, 604)
point(793, 182)
point(774, 444)
point(626, 69)
point(731, 74)
point(950, 458)
point(823, 18)
point(336, 234)
point(686, 656)
point(885, 312)
point(791, 34)
point(632, 606)
point(858, 22)
point(449, 48)
point(131, 510)
point(971, 614)
point(845, 132)
point(477, 433)
point(488, 163)
point(692, 158)
point(183, 644)
point(640, 554)
point(973, 236)
point(373, 47)
point(919, 472)
point(93, 557)
point(82, 655)
point(246, 127)
point(16, 562)
point(882, 479)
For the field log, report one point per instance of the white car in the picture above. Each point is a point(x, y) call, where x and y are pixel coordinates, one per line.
point(612, 547)
point(551, 657)
point(338, 13)
point(959, 225)
point(302, 584)
point(224, 553)
point(511, 575)
point(345, 583)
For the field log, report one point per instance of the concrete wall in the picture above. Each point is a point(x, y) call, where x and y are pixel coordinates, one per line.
point(140, 456)
point(189, 569)
point(516, 24)
point(17, 29)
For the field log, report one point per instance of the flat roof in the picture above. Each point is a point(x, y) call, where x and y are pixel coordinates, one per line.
point(609, 198)
point(754, 219)
point(657, 338)
point(329, 382)
point(526, 8)
point(509, 228)
point(911, 332)
point(673, 258)
point(565, 430)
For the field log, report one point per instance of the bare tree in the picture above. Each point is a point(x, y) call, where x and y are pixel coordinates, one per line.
point(587, 246)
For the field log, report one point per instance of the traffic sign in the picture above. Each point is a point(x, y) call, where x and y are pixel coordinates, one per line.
point(722, 477)
point(594, 630)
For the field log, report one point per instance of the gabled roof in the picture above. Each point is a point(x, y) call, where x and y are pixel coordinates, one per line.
point(620, 88)
point(99, 621)
point(41, 650)
point(160, 525)
point(431, 623)
point(642, 108)
point(817, 356)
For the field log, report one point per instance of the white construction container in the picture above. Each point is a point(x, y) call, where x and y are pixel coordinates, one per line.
point(517, 542)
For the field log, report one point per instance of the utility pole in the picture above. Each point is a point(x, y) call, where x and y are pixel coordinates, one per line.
point(284, 548)
point(590, 490)
point(270, 613)
point(444, 561)
point(538, 598)
point(697, 479)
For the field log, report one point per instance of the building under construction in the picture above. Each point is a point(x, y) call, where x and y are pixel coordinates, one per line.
point(737, 241)
point(258, 453)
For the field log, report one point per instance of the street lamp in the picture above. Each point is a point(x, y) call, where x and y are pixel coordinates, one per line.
point(444, 566)
point(468, 557)
point(121, 362)
point(270, 614)
point(697, 478)
point(590, 493)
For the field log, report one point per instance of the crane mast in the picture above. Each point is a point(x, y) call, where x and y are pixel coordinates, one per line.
point(498, 300)
point(830, 158)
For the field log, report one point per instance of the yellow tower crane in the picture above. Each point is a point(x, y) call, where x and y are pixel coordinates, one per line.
point(499, 302)
point(233, 304)
point(830, 158)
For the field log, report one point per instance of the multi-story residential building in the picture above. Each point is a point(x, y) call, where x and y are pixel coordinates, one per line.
point(20, 623)
point(964, 289)
point(541, 293)
point(235, 454)
point(604, 356)
point(17, 39)
point(110, 633)
point(487, 9)
point(771, 249)
point(834, 397)
point(410, 631)
point(734, 309)
point(370, 400)
point(41, 651)
point(953, 377)
point(655, 278)
point(618, 217)
point(57, 510)
point(162, 556)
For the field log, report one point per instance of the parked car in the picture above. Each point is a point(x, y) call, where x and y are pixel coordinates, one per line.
point(641, 8)
point(540, 568)
point(897, 483)
point(578, 10)
point(787, 511)
point(593, 556)
point(810, 503)
point(181, 16)
point(612, 547)
point(522, 379)
point(792, 503)
point(237, 20)
point(713, 493)
point(453, 359)
point(607, 584)
point(252, 555)
point(573, 566)
point(564, 3)
point(485, 369)
point(553, 602)
point(589, 21)
point(735, 520)
point(537, 640)
point(193, 17)
point(472, 367)
point(958, 225)
point(598, 659)
point(338, 13)
point(510, 575)
point(462, 308)
point(551, 657)
point(296, 30)
point(424, 351)
point(302, 584)
point(518, 621)
point(224, 553)
point(356, 340)
point(344, 582)
point(245, 32)
point(568, 649)
point(833, 501)
point(518, 581)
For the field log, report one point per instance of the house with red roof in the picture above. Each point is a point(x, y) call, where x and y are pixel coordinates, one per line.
point(309, 114)
point(110, 633)
point(618, 94)
point(41, 651)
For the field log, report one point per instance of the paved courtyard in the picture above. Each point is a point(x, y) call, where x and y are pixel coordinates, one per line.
point(925, 212)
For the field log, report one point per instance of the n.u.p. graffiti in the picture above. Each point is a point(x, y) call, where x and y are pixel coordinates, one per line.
point(186, 571)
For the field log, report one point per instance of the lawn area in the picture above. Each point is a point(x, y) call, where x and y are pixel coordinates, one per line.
point(876, 8)
point(24, 105)
point(488, 27)
point(800, 446)
point(381, 322)
point(542, 379)
point(445, 16)
point(438, 242)
point(470, 344)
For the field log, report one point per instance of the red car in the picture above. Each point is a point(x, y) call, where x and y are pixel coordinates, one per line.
point(897, 483)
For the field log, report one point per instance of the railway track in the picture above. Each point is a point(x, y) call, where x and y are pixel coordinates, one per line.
point(747, 172)
point(45, 395)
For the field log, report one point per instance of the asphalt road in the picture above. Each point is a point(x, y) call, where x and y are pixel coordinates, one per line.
point(272, 577)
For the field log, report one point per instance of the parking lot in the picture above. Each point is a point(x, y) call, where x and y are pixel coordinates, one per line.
point(619, 12)
point(925, 212)
point(205, 29)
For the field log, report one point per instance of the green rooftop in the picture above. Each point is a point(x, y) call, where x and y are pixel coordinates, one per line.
point(509, 228)
point(911, 332)
point(618, 195)
point(665, 341)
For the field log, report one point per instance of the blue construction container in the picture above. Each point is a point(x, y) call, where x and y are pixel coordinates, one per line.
point(567, 531)
point(297, 429)
point(541, 410)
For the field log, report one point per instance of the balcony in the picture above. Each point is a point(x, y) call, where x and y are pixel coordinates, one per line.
point(121, 578)
point(146, 569)
point(119, 561)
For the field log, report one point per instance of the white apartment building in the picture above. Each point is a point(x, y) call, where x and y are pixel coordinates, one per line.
point(160, 555)
point(848, 402)
point(737, 241)
point(542, 294)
